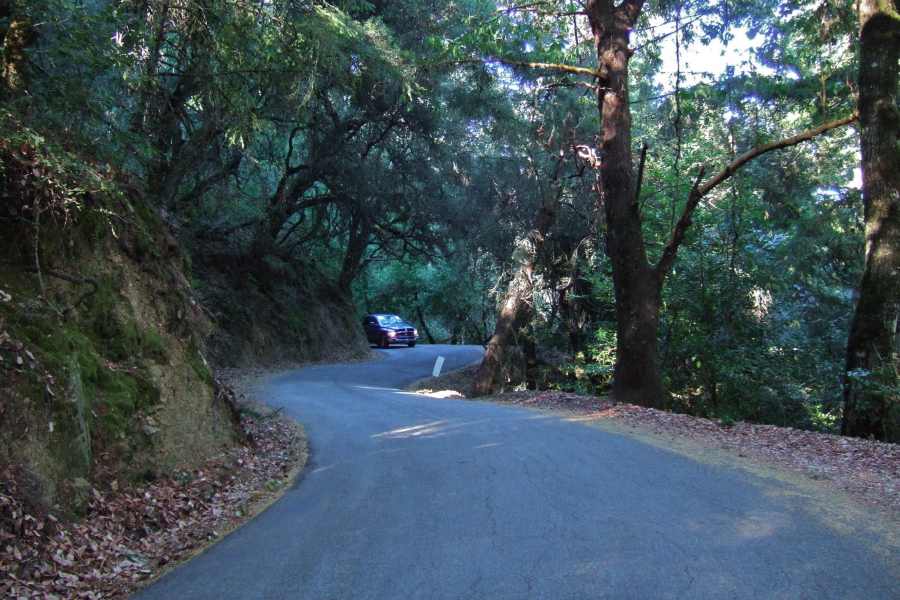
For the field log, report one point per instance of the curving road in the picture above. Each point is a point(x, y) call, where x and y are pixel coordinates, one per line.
point(408, 496)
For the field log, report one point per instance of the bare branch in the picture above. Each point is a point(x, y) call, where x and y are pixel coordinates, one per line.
point(640, 177)
point(514, 63)
point(551, 86)
point(743, 159)
point(533, 8)
point(243, 224)
point(698, 191)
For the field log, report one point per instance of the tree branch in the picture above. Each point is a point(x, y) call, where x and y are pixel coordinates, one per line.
point(230, 230)
point(698, 191)
point(551, 86)
point(532, 8)
point(743, 159)
point(288, 169)
point(630, 9)
point(640, 177)
point(515, 63)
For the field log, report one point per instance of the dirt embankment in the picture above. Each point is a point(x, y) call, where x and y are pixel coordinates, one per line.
point(119, 450)
point(102, 338)
point(270, 311)
point(108, 329)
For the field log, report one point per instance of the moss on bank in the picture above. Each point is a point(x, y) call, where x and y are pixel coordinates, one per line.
point(101, 336)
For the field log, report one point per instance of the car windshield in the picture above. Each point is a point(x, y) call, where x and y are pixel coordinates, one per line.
point(390, 320)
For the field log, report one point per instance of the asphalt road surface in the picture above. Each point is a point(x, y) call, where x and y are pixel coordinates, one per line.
point(409, 496)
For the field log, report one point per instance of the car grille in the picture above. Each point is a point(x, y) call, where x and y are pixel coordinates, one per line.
point(405, 334)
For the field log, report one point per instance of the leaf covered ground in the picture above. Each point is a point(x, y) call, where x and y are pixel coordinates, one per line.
point(132, 533)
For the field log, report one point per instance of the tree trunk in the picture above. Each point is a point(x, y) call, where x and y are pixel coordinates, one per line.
point(18, 36)
point(574, 311)
point(425, 328)
point(517, 297)
point(870, 408)
point(529, 351)
point(570, 320)
point(637, 376)
point(637, 284)
point(359, 236)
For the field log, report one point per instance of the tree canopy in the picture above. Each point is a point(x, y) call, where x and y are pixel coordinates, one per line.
point(652, 199)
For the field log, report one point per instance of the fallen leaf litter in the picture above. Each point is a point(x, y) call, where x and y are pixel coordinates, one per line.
point(131, 534)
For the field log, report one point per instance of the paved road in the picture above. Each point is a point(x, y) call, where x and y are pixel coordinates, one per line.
point(409, 496)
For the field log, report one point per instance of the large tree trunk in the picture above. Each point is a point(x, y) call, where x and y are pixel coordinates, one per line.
point(637, 377)
point(869, 407)
point(517, 296)
point(638, 284)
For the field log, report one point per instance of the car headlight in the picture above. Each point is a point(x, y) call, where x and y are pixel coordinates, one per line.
point(392, 333)
point(415, 332)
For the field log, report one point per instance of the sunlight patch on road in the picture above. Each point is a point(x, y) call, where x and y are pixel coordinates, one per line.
point(372, 387)
point(442, 394)
point(759, 526)
point(431, 429)
point(835, 509)
point(490, 445)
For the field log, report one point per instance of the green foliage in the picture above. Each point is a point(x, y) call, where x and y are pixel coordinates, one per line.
point(756, 315)
point(72, 84)
point(592, 370)
point(877, 396)
point(399, 154)
point(449, 294)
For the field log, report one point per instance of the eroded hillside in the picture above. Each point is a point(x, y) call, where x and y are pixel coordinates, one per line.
point(103, 339)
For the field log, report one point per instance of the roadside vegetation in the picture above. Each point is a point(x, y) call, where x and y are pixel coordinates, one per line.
point(593, 191)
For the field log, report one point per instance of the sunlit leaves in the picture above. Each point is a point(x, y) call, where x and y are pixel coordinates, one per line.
point(423, 133)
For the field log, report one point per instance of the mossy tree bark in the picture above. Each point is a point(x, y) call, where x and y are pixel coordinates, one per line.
point(518, 295)
point(637, 286)
point(871, 404)
point(17, 34)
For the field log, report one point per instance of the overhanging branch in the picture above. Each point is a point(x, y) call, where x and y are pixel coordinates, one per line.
point(533, 8)
point(529, 65)
point(746, 157)
point(698, 191)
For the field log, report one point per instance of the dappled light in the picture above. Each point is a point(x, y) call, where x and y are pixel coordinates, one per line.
point(759, 526)
point(677, 213)
point(373, 388)
point(324, 468)
point(424, 431)
point(443, 394)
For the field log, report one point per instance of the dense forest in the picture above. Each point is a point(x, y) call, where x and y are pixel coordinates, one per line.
point(688, 205)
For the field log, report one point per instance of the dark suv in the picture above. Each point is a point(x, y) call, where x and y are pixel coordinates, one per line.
point(385, 330)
